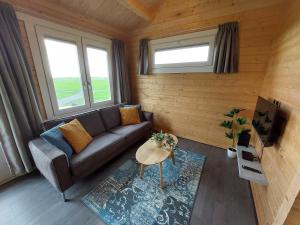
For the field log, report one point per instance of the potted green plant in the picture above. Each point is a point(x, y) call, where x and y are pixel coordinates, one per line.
point(169, 142)
point(158, 138)
point(236, 126)
point(164, 140)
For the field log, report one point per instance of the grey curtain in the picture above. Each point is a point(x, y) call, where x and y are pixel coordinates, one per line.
point(226, 55)
point(143, 65)
point(20, 118)
point(122, 92)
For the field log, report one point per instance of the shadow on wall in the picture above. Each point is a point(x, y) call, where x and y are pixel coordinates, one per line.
point(283, 118)
point(161, 122)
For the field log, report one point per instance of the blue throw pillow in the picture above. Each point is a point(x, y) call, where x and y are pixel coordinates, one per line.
point(56, 138)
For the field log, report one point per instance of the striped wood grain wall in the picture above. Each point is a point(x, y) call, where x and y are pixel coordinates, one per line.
point(282, 161)
point(192, 105)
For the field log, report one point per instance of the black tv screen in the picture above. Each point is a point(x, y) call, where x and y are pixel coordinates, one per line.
point(264, 120)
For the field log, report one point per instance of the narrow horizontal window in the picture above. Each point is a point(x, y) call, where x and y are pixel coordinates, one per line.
point(186, 53)
point(182, 55)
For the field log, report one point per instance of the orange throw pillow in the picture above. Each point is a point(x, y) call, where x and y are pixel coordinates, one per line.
point(76, 135)
point(129, 115)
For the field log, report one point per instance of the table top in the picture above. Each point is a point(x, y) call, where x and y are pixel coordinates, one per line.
point(149, 153)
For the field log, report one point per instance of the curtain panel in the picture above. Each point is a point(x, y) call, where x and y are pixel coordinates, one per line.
point(121, 81)
point(20, 118)
point(226, 54)
point(143, 64)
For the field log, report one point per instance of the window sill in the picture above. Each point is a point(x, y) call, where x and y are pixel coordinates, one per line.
point(60, 116)
point(202, 69)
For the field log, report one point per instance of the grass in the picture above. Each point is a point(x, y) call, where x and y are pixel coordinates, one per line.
point(68, 91)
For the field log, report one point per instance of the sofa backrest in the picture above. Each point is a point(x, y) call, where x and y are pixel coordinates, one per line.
point(110, 116)
point(91, 121)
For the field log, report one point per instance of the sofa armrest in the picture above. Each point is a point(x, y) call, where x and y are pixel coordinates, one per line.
point(52, 163)
point(148, 116)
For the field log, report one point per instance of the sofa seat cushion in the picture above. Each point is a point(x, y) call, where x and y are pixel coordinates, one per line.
point(132, 133)
point(103, 148)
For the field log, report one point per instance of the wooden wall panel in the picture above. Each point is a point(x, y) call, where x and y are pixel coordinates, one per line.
point(192, 105)
point(282, 161)
point(294, 215)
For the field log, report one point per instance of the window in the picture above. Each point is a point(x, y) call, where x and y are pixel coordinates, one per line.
point(77, 71)
point(99, 74)
point(98, 71)
point(183, 53)
point(65, 73)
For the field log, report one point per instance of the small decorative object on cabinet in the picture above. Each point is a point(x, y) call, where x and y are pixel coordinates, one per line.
point(236, 126)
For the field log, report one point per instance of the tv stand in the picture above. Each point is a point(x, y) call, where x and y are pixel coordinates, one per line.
point(248, 174)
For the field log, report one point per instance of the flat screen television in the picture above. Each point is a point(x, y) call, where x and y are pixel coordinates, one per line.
point(264, 121)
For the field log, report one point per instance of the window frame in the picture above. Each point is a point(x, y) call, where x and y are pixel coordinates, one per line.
point(42, 33)
point(31, 23)
point(86, 42)
point(182, 41)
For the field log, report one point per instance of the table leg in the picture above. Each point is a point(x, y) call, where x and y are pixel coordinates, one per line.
point(161, 175)
point(142, 171)
point(173, 157)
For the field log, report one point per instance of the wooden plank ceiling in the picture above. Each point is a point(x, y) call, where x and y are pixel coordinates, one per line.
point(122, 14)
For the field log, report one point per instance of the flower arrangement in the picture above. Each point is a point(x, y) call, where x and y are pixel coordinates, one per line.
point(163, 140)
point(158, 138)
point(169, 142)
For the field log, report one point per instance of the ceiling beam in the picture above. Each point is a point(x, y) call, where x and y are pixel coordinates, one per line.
point(138, 8)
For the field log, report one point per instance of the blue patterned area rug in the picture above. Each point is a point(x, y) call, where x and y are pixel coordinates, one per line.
point(126, 199)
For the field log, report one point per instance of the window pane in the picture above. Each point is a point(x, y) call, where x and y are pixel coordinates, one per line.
point(65, 72)
point(182, 55)
point(98, 69)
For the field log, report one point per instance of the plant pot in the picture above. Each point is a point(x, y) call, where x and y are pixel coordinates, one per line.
point(159, 143)
point(231, 153)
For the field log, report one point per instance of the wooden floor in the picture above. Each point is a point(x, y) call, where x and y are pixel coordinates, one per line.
point(222, 198)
